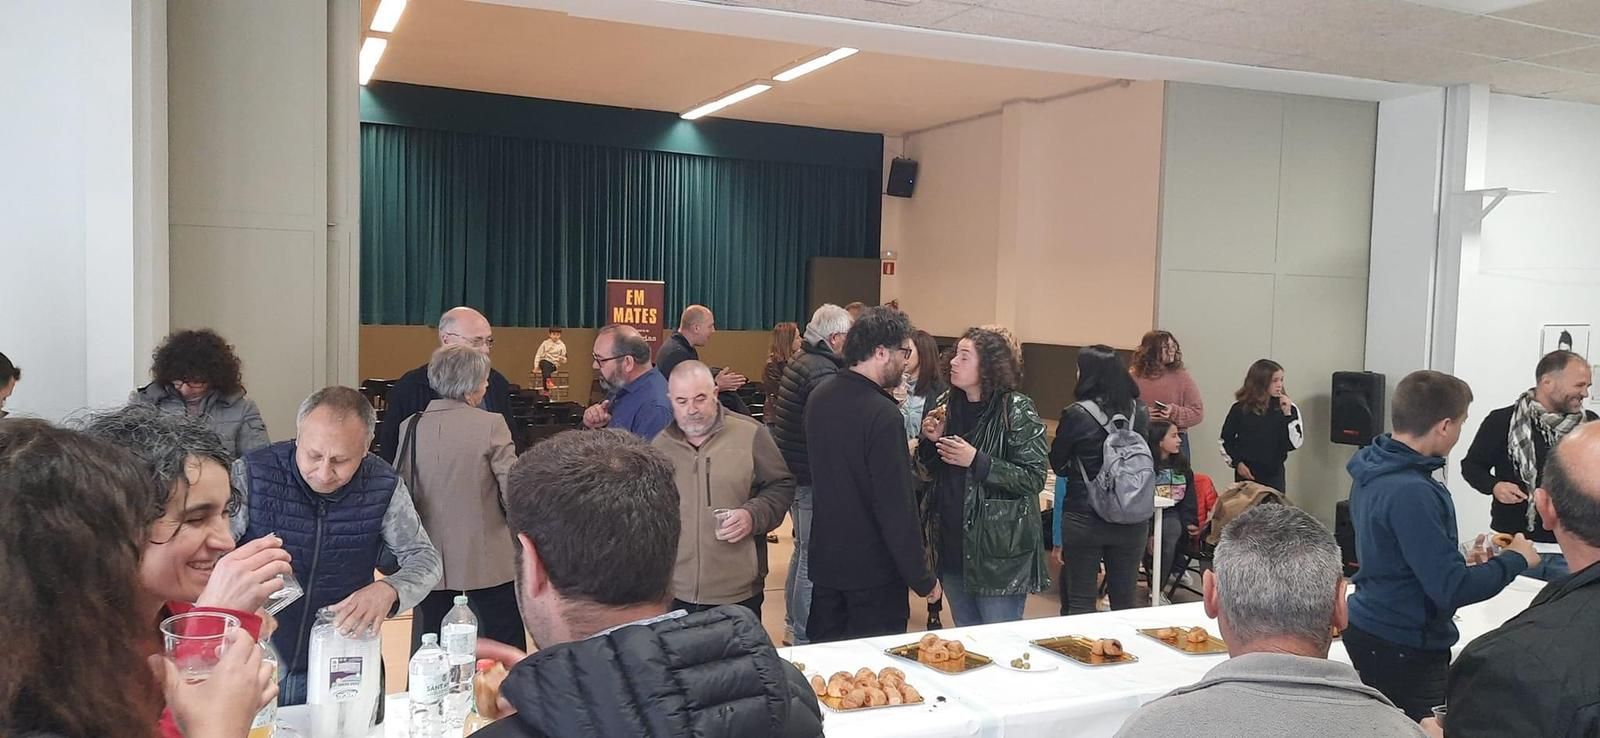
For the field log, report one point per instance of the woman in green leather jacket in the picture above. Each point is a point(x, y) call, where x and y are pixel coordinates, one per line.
point(984, 451)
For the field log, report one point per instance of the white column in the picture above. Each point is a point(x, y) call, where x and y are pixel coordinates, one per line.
point(78, 134)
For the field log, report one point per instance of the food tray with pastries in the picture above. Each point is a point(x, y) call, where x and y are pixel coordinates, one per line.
point(865, 690)
point(1087, 651)
point(1194, 641)
point(948, 656)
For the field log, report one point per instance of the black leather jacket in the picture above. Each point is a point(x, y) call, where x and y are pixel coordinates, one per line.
point(712, 674)
point(805, 371)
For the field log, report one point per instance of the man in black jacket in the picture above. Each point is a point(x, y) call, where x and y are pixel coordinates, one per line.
point(695, 328)
point(1539, 674)
point(1513, 443)
point(411, 394)
point(818, 359)
point(866, 542)
point(612, 660)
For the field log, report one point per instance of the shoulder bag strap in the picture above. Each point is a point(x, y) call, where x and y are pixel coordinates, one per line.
point(408, 449)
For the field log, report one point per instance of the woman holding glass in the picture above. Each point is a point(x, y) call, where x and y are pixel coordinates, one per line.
point(454, 456)
point(73, 509)
point(983, 446)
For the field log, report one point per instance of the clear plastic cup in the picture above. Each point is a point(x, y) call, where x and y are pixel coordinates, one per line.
point(286, 595)
point(194, 642)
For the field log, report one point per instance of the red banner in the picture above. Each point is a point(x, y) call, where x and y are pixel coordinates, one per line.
point(640, 304)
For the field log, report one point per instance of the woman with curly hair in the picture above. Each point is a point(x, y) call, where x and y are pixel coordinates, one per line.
point(78, 664)
point(197, 373)
point(983, 446)
point(1165, 386)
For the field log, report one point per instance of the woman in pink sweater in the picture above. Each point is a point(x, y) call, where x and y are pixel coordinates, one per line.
point(1165, 386)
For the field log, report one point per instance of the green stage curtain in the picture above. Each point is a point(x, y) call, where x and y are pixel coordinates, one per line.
point(530, 230)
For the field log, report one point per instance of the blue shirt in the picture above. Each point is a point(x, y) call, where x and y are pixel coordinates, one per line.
point(641, 408)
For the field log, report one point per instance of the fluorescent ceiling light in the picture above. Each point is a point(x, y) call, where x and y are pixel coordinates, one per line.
point(388, 15)
point(815, 64)
point(371, 52)
point(722, 102)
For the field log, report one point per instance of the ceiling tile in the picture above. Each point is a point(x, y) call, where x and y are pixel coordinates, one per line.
point(1492, 36)
point(1327, 66)
point(1581, 16)
point(1586, 95)
point(1521, 78)
point(991, 22)
point(1151, 43)
point(1582, 60)
point(1397, 61)
point(1133, 15)
point(922, 13)
point(1366, 16)
point(1283, 35)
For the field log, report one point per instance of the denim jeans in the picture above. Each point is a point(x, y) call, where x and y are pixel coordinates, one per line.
point(1552, 567)
point(968, 609)
point(797, 587)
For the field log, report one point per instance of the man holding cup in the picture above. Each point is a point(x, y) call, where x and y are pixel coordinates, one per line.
point(733, 487)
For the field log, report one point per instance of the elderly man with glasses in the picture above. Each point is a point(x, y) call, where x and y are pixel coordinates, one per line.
point(636, 394)
point(460, 326)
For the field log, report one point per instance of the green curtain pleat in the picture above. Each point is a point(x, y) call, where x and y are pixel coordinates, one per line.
point(530, 230)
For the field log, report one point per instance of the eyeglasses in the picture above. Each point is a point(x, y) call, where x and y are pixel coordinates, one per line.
point(603, 359)
point(474, 341)
point(905, 352)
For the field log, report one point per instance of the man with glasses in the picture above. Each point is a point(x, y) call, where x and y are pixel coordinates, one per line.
point(636, 394)
point(460, 326)
point(866, 539)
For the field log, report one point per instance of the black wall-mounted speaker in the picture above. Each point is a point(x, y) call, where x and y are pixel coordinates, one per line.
point(902, 177)
point(1358, 407)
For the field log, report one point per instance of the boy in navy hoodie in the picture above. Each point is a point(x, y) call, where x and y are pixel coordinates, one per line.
point(1413, 575)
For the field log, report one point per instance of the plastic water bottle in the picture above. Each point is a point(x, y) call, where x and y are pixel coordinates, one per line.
point(429, 682)
point(342, 686)
point(460, 635)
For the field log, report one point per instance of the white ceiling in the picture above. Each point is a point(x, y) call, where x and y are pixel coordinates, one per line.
point(1546, 48)
point(552, 55)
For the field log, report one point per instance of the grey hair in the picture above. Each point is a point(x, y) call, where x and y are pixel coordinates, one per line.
point(1277, 572)
point(343, 401)
point(169, 447)
point(628, 342)
point(457, 371)
point(826, 321)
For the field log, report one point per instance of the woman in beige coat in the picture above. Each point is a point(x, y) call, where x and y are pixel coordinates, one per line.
point(454, 457)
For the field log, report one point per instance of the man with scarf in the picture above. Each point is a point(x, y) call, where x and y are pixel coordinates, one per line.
point(1511, 447)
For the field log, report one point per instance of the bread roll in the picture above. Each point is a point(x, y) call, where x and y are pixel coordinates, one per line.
point(938, 655)
point(818, 686)
point(891, 671)
point(486, 689)
point(957, 649)
point(1167, 634)
point(856, 698)
point(910, 694)
point(1198, 634)
point(1097, 648)
point(893, 695)
point(839, 687)
point(876, 697)
point(839, 675)
point(1112, 647)
point(1503, 539)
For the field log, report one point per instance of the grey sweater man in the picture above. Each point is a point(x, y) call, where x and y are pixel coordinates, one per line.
point(1272, 694)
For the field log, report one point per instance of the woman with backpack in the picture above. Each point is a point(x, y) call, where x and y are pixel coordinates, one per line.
point(1262, 428)
point(1085, 539)
point(983, 447)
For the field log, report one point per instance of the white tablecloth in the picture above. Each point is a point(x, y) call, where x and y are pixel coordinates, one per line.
point(1072, 700)
point(994, 702)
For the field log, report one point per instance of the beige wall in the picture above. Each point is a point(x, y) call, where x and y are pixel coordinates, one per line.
point(387, 351)
point(1037, 217)
point(263, 182)
point(1266, 218)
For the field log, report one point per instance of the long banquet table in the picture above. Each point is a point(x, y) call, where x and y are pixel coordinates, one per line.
point(1071, 700)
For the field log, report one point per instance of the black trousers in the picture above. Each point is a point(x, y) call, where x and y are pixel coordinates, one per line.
point(1276, 477)
point(546, 368)
point(1413, 679)
point(753, 605)
point(843, 614)
point(1086, 542)
point(496, 608)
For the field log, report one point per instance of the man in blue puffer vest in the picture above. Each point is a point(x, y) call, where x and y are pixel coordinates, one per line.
point(336, 507)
